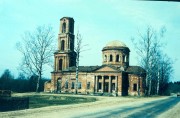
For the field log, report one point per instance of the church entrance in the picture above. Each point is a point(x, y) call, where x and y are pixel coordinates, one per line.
point(106, 86)
point(59, 85)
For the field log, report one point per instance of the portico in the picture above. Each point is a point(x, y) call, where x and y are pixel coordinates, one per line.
point(105, 83)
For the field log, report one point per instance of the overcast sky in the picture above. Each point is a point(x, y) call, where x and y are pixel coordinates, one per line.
point(99, 21)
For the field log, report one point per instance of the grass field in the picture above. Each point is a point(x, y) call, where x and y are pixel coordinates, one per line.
point(36, 101)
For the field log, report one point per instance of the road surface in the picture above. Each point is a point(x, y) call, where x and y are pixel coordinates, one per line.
point(146, 110)
point(107, 107)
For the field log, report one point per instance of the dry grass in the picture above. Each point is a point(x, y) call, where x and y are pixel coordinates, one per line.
point(38, 100)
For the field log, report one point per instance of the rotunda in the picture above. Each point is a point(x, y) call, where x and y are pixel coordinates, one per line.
point(116, 53)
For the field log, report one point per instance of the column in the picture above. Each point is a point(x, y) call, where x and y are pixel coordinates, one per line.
point(94, 88)
point(102, 83)
point(55, 65)
point(116, 83)
point(110, 84)
point(96, 84)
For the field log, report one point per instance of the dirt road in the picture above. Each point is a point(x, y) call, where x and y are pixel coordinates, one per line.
point(110, 107)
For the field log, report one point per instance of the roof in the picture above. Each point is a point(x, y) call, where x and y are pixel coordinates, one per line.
point(135, 69)
point(91, 68)
point(116, 43)
point(67, 18)
point(82, 69)
point(130, 69)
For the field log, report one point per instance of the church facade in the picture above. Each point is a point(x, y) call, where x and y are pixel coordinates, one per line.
point(114, 77)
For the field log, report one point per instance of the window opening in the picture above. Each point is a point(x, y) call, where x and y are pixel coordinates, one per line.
point(117, 58)
point(62, 45)
point(134, 87)
point(88, 85)
point(72, 86)
point(79, 85)
point(60, 64)
point(64, 28)
point(111, 58)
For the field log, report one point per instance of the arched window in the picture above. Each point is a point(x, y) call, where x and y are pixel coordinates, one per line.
point(60, 64)
point(111, 58)
point(105, 58)
point(64, 28)
point(62, 45)
point(123, 58)
point(117, 58)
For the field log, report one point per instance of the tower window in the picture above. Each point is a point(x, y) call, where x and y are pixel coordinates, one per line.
point(117, 58)
point(111, 58)
point(60, 64)
point(62, 45)
point(64, 28)
point(123, 58)
point(105, 58)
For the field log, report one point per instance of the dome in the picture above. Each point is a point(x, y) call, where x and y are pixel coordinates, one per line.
point(116, 43)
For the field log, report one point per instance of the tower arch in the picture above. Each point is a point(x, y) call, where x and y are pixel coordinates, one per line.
point(62, 45)
point(60, 64)
point(64, 27)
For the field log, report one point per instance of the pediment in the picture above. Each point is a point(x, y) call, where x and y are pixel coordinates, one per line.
point(106, 69)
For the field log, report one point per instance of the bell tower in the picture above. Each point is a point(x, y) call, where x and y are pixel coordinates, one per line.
point(65, 56)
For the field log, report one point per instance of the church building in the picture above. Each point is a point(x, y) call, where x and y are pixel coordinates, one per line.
point(114, 77)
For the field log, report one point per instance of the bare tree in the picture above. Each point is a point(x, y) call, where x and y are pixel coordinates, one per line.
point(147, 48)
point(37, 50)
point(78, 49)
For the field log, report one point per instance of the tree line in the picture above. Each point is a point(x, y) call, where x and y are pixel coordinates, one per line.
point(20, 83)
point(174, 87)
point(158, 65)
point(28, 84)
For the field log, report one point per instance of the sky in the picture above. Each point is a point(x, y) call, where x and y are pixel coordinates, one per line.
point(98, 21)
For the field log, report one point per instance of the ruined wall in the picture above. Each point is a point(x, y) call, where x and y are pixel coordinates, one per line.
point(135, 84)
point(47, 86)
point(66, 83)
